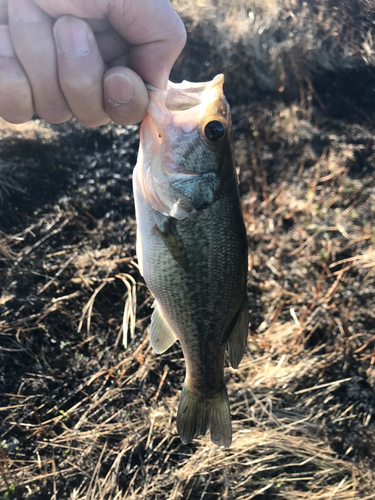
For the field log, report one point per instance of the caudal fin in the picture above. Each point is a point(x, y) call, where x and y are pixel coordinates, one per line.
point(197, 414)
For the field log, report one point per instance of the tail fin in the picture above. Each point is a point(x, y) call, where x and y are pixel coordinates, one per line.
point(197, 414)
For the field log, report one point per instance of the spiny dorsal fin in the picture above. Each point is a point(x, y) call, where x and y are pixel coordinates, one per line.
point(173, 242)
point(238, 338)
point(161, 334)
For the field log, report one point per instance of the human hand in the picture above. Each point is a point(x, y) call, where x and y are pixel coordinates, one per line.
point(90, 63)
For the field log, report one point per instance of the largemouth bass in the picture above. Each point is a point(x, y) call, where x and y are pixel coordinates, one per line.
point(192, 245)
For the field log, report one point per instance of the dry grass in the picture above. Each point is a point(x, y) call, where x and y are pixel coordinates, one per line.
point(289, 49)
point(279, 448)
point(276, 449)
point(30, 130)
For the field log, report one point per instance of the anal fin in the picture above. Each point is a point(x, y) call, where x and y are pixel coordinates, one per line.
point(238, 338)
point(161, 334)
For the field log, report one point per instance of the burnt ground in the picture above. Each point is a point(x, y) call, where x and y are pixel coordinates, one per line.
point(84, 418)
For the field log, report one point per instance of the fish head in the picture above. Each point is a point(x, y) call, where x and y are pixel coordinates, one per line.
point(185, 147)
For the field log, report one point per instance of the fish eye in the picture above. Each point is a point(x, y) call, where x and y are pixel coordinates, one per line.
point(214, 130)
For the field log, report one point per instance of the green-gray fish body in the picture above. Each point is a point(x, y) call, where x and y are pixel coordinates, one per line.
point(192, 245)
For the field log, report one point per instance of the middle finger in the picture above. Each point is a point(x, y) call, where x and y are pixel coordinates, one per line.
point(81, 70)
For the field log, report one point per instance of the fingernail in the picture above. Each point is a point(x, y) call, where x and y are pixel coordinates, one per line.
point(119, 88)
point(26, 11)
point(6, 47)
point(72, 36)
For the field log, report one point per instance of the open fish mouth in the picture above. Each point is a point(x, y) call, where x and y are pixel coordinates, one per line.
point(183, 104)
point(186, 95)
point(171, 135)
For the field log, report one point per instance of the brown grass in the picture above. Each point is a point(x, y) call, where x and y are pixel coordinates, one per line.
point(273, 448)
point(30, 130)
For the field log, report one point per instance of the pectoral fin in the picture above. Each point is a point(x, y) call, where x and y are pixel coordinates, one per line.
point(161, 335)
point(173, 242)
point(238, 338)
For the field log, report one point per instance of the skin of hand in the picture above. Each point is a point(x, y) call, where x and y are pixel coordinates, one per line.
point(85, 58)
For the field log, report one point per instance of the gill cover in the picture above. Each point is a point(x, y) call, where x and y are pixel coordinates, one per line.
point(183, 139)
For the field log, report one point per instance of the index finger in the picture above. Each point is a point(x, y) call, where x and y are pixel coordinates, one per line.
point(156, 33)
point(152, 27)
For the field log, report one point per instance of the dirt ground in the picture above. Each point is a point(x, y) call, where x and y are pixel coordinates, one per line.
point(83, 417)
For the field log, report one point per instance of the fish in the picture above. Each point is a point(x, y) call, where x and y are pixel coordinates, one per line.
point(192, 245)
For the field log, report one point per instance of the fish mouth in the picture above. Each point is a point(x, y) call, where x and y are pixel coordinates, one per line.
point(184, 104)
point(174, 119)
point(186, 95)
point(179, 109)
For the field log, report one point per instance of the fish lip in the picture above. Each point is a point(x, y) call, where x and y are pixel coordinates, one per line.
point(189, 87)
point(184, 96)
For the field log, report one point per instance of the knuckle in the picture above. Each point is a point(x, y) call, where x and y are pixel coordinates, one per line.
point(181, 38)
point(179, 34)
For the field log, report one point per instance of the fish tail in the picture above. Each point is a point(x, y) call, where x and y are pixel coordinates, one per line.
point(198, 413)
